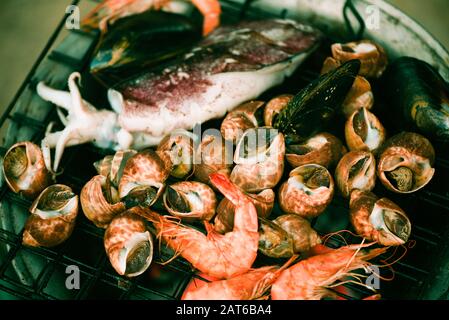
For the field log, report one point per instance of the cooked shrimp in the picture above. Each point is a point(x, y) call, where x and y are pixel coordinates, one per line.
point(249, 286)
point(214, 254)
point(310, 279)
point(109, 11)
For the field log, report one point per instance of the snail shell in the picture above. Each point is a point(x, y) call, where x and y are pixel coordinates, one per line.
point(224, 220)
point(356, 170)
point(100, 201)
point(259, 159)
point(372, 56)
point(213, 154)
point(24, 169)
point(405, 162)
point(274, 241)
point(379, 220)
point(323, 149)
point(143, 179)
point(363, 131)
point(53, 216)
point(112, 166)
point(128, 244)
point(274, 106)
point(307, 192)
point(240, 119)
point(177, 152)
point(190, 199)
point(300, 230)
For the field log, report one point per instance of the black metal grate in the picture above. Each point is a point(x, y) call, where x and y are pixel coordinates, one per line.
point(415, 274)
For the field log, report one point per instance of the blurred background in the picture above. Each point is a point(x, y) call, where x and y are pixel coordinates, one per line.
point(26, 25)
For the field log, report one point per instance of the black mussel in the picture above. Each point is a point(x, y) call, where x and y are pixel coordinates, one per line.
point(418, 96)
point(311, 110)
point(142, 40)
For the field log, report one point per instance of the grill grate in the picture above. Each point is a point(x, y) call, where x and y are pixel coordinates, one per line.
point(415, 273)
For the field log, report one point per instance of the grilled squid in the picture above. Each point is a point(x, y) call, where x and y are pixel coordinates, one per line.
point(100, 201)
point(259, 159)
point(224, 220)
point(240, 119)
point(405, 162)
point(143, 179)
point(356, 170)
point(363, 131)
point(53, 216)
point(128, 244)
point(212, 155)
point(307, 192)
point(324, 149)
point(379, 220)
point(372, 56)
point(24, 169)
point(274, 107)
point(190, 199)
point(177, 152)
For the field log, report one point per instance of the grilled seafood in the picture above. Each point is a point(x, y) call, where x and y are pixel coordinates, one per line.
point(356, 170)
point(379, 220)
point(53, 216)
point(259, 159)
point(274, 241)
point(111, 166)
point(323, 148)
point(109, 11)
point(372, 56)
point(128, 244)
point(240, 119)
point(360, 94)
point(224, 220)
point(300, 231)
point(224, 71)
point(363, 131)
point(307, 192)
point(310, 279)
point(24, 169)
point(312, 109)
point(274, 107)
point(190, 199)
point(405, 162)
point(422, 101)
point(216, 255)
point(100, 201)
point(143, 179)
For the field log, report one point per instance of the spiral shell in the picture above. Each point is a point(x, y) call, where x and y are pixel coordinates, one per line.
point(53, 216)
point(112, 166)
point(274, 106)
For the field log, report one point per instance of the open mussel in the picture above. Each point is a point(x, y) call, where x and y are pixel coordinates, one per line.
point(417, 95)
point(312, 109)
point(140, 41)
point(24, 169)
point(379, 220)
point(53, 217)
point(405, 162)
point(323, 148)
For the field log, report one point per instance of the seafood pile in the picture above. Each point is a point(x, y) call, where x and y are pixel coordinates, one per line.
point(257, 182)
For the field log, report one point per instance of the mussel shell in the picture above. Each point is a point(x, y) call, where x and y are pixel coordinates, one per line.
point(24, 169)
point(142, 41)
point(312, 109)
point(417, 96)
point(274, 241)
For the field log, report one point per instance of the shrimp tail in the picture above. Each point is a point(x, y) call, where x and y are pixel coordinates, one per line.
point(227, 188)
